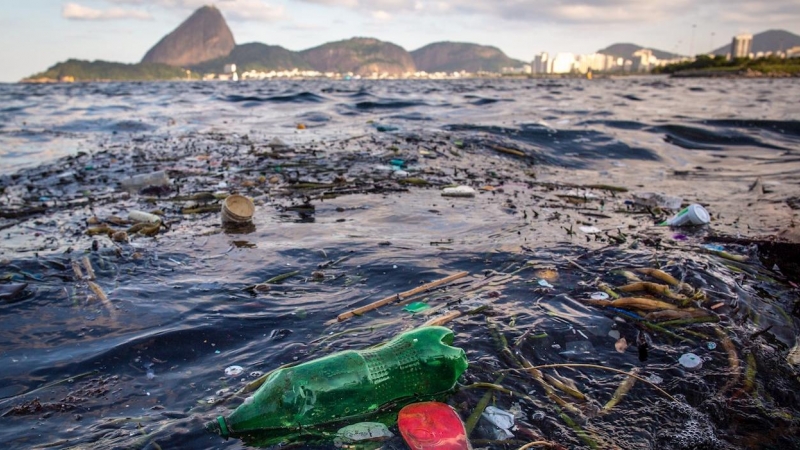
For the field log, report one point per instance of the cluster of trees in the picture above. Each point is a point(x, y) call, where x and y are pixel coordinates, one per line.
point(769, 64)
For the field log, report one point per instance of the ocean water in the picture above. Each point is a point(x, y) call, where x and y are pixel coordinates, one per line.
point(343, 209)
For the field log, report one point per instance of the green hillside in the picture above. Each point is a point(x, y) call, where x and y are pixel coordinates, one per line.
point(255, 56)
point(81, 70)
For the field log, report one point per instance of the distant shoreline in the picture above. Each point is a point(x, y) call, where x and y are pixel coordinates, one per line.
point(694, 73)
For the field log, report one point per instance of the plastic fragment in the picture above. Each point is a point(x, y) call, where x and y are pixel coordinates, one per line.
point(233, 371)
point(362, 431)
point(590, 230)
point(497, 423)
point(693, 214)
point(432, 426)
point(458, 191)
point(416, 307)
point(690, 361)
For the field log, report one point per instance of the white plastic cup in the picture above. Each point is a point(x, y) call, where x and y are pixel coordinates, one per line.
point(693, 214)
point(237, 210)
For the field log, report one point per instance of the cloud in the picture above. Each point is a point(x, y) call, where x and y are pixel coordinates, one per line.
point(74, 11)
point(252, 10)
point(596, 12)
point(381, 16)
point(237, 10)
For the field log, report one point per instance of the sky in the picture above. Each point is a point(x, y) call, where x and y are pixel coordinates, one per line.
point(36, 34)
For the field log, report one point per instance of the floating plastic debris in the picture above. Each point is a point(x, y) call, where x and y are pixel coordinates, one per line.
point(363, 431)
point(458, 191)
point(690, 361)
point(655, 379)
point(432, 426)
point(497, 424)
point(233, 371)
point(621, 345)
point(711, 345)
point(714, 248)
point(693, 214)
point(591, 230)
point(545, 283)
point(599, 296)
point(416, 307)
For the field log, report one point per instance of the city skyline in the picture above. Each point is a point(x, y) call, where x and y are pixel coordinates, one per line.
point(36, 34)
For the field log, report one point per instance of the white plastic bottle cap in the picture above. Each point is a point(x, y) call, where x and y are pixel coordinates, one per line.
point(693, 214)
point(698, 215)
point(690, 361)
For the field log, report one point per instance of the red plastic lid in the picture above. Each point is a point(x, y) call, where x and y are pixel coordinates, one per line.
point(432, 425)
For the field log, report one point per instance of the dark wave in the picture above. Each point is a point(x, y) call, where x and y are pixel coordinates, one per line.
point(570, 148)
point(388, 104)
point(121, 126)
point(619, 124)
point(411, 116)
point(784, 127)
point(480, 101)
point(302, 97)
point(695, 138)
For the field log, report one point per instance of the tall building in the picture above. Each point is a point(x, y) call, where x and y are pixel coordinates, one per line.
point(741, 45)
point(542, 63)
point(643, 60)
point(564, 63)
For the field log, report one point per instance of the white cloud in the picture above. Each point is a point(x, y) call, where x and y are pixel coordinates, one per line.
point(381, 16)
point(252, 10)
point(580, 11)
point(237, 10)
point(74, 11)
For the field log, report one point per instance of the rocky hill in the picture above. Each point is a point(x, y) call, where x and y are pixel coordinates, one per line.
point(255, 56)
point(458, 56)
point(766, 41)
point(202, 37)
point(626, 50)
point(361, 56)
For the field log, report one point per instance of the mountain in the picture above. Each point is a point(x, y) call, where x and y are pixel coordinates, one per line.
point(361, 56)
point(255, 56)
point(80, 70)
point(766, 41)
point(201, 37)
point(626, 50)
point(458, 56)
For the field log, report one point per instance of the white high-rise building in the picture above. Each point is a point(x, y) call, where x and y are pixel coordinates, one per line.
point(741, 45)
point(564, 63)
point(542, 63)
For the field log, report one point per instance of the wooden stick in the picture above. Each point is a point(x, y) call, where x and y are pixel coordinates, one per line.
point(385, 301)
point(77, 269)
point(98, 291)
point(441, 320)
point(508, 151)
point(89, 269)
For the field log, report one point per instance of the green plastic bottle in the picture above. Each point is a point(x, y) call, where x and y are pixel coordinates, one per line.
point(348, 386)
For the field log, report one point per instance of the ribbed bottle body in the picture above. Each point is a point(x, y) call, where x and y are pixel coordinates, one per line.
point(351, 384)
